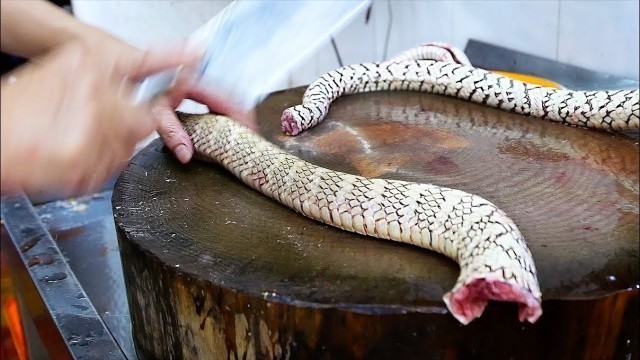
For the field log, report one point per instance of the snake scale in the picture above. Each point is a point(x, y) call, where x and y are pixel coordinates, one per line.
point(608, 110)
point(495, 262)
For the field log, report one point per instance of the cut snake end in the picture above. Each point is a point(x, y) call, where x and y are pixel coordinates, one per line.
point(468, 302)
point(289, 124)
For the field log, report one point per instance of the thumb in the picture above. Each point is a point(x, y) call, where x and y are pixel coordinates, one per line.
point(171, 131)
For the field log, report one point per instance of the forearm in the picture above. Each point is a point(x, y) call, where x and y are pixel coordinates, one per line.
point(12, 168)
point(31, 28)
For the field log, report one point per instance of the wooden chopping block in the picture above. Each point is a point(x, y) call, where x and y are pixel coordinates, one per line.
point(215, 270)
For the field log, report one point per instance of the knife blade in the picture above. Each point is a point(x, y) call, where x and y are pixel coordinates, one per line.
point(251, 46)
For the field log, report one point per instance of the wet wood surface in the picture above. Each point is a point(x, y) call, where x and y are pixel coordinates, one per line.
point(217, 270)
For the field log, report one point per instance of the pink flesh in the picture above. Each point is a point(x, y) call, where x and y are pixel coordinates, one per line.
point(469, 301)
point(289, 125)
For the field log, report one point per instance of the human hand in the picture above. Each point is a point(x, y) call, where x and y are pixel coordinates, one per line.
point(68, 121)
point(171, 130)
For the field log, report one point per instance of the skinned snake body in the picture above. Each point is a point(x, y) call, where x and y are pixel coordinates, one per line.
point(495, 262)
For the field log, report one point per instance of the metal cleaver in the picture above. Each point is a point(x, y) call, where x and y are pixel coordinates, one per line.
point(251, 46)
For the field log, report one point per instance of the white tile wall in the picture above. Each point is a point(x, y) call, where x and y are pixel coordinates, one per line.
point(146, 23)
point(434, 22)
point(600, 35)
point(529, 26)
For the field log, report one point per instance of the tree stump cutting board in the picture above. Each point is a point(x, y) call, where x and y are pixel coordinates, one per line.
point(215, 270)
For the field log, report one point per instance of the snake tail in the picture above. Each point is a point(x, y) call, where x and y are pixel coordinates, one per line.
point(606, 110)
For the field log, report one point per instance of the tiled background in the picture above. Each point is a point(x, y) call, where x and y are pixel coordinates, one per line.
point(599, 35)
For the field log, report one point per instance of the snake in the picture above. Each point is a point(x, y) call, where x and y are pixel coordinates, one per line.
point(494, 259)
point(614, 110)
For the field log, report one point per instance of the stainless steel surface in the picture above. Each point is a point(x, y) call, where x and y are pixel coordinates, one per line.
point(493, 57)
point(64, 317)
point(85, 233)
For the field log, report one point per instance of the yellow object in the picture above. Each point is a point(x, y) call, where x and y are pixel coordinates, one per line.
point(529, 79)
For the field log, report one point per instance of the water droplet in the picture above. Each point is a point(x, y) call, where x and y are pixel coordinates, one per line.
point(86, 341)
point(73, 340)
point(33, 261)
point(611, 278)
point(80, 307)
point(58, 276)
point(27, 245)
point(25, 229)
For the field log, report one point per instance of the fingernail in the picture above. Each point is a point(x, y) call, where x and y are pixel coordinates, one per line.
point(182, 153)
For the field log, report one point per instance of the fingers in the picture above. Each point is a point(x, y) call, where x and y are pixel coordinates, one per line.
point(170, 128)
point(85, 123)
point(186, 88)
point(221, 105)
point(171, 131)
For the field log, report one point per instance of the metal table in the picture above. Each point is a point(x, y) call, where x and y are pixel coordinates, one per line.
point(64, 254)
